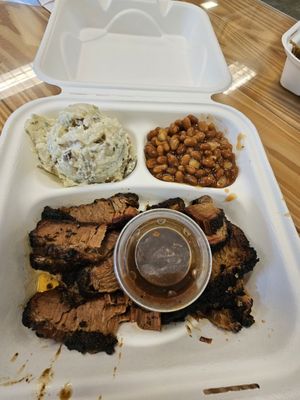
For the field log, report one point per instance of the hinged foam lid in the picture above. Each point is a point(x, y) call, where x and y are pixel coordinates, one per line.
point(149, 46)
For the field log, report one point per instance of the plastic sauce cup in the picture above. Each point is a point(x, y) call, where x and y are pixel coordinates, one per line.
point(162, 260)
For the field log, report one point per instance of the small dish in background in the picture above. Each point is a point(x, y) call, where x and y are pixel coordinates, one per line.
point(290, 78)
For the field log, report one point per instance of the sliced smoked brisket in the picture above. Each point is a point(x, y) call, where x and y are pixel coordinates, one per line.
point(99, 278)
point(85, 311)
point(211, 219)
point(87, 327)
point(56, 252)
point(114, 211)
point(176, 204)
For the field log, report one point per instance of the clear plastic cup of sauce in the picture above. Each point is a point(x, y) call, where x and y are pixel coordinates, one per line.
point(162, 260)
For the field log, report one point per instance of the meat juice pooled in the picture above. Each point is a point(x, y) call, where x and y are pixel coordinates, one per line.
point(161, 261)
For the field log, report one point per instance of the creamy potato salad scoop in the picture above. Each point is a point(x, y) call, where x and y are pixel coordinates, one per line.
point(82, 145)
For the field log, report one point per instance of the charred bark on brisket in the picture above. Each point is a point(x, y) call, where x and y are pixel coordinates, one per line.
point(113, 212)
point(86, 327)
point(211, 220)
point(176, 204)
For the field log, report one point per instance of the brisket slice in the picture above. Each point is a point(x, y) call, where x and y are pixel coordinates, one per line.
point(176, 204)
point(150, 320)
point(236, 257)
point(88, 327)
point(98, 278)
point(224, 301)
point(114, 211)
point(65, 259)
point(235, 311)
point(211, 220)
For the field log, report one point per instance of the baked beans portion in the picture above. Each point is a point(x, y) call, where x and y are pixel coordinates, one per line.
point(191, 151)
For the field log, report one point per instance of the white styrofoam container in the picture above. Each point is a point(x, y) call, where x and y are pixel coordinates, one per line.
point(150, 365)
point(290, 78)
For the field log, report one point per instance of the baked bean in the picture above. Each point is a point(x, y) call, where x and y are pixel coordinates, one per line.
point(181, 149)
point(162, 160)
point(154, 141)
point(226, 154)
point(159, 168)
point(200, 173)
point(219, 173)
point(162, 135)
point(185, 159)
point(179, 177)
point(203, 126)
point(207, 181)
point(190, 132)
point(159, 176)
point(205, 146)
point(168, 178)
point(191, 151)
point(151, 134)
point(182, 136)
point(199, 136)
point(196, 155)
point(174, 143)
point(151, 162)
point(217, 153)
point(166, 146)
point(150, 150)
point(190, 170)
point(194, 163)
point(208, 162)
point(186, 123)
point(211, 134)
point(189, 141)
point(172, 160)
point(171, 170)
point(160, 150)
point(193, 119)
point(173, 129)
point(227, 164)
point(222, 182)
point(190, 179)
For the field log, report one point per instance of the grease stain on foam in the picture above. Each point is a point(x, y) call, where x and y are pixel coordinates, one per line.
point(14, 357)
point(231, 197)
point(226, 190)
point(119, 356)
point(11, 382)
point(57, 354)
point(21, 369)
point(100, 397)
point(8, 381)
point(240, 141)
point(66, 392)
point(287, 214)
point(44, 380)
point(47, 375)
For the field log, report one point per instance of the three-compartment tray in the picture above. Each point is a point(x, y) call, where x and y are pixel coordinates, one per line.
point(157, 365)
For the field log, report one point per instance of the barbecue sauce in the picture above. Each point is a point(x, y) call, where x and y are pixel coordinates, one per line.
point(162, 260)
